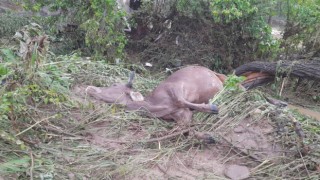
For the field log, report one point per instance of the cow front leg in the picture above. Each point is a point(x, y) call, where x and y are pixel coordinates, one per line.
point(183, 118)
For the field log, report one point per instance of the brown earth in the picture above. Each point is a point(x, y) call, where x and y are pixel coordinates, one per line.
point(6, 5)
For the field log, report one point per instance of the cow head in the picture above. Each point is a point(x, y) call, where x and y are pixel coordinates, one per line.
point(119, 93)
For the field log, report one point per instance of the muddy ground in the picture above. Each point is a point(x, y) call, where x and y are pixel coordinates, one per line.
point(242, 144)
point(200, 162)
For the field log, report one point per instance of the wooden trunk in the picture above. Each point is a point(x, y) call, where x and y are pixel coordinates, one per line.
point(301, 69)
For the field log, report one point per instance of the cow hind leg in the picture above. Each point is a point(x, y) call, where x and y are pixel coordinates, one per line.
point(177, 96)
point(210, 108)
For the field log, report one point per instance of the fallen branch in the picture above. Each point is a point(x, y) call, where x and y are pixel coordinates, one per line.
point(35, 125)
point(153, 139)
point(31, 166)
point(59, 131)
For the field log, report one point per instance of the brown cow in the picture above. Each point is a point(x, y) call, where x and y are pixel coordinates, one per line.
point(185, 90)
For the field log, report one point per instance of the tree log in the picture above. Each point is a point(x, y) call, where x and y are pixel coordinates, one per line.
point(302, 69)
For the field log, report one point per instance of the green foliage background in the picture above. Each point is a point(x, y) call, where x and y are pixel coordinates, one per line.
point(100, 20)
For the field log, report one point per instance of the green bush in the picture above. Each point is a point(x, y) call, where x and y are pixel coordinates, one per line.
point(10, 23)
point(303, 24)
point(248, 18)
point(25, 78)
point(100, 20)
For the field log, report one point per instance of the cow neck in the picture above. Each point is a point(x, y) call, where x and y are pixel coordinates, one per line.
point(136, 105)
point(147, 105)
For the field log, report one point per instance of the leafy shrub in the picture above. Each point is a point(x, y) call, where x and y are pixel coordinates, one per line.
point(248, 18)
point(303, 25)
point(25, 79)
point(10, 23)
point(191, 8)
point(100, 20)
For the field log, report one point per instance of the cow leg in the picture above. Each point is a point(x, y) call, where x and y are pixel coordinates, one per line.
point(210, 108)
point(177, 96)
point(183, 118)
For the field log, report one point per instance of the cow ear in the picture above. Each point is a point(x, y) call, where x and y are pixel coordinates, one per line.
point(136, 96)
point(130, 81)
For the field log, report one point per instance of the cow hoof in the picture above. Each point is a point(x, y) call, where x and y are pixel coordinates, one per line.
point(214, 109)
point(209, 139)
point(205, 138)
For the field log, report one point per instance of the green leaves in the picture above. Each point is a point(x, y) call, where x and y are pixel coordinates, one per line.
point(100, 20)
point(232, 83)
point(8, 57)
point(104, 29)
point(7, 54)
point(247, 18)
point(26, 79)
point(303, 25)
point(15, 165)
point(226, 11)
point(3, 70)
point(10, 23)
point(12, 140)
point(191, 8)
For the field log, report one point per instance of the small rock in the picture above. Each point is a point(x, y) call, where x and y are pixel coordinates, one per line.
point(239, 129)
point(71, 176)
point(257, 112)
point(237, 172)
point(148, 64)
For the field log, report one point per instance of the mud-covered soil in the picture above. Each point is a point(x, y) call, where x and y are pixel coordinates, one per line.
point(194, 162)
point(304, 97)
